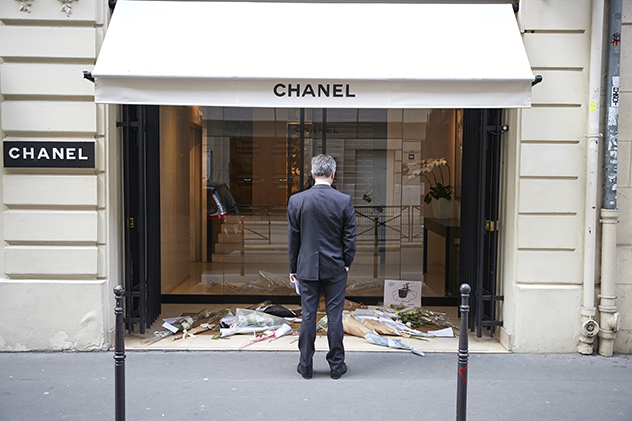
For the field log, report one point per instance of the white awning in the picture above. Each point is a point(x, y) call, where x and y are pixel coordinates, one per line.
point(313, 55)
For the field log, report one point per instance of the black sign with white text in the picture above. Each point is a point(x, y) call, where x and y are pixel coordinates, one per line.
point(48, 154)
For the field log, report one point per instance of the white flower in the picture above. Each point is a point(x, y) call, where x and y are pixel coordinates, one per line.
point(427, 166)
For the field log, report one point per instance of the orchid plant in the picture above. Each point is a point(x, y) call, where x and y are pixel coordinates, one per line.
point(439, 189)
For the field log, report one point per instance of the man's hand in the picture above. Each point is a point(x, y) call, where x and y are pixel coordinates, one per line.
point(294, 280)
point(347, 268)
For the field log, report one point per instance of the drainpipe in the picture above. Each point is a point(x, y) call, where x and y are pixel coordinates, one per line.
point(590, 327)
point(610, 321)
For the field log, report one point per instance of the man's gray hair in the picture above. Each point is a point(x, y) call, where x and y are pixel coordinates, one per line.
point(323, 166)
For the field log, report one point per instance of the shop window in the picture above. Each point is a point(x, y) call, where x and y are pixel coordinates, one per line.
point(227, 174)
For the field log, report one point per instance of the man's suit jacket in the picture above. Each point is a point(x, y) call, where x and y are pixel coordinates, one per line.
point(321, 233)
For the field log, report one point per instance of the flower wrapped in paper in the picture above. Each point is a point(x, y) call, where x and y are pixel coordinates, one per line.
point(416, 318)
point(353, 327)
point(390, 322)
point(367, 331)
point(406, 331)
point(250, 321)
point(271, 334)
point(380, 328)
point(279, 310)
point(209, 324)
point(376, 339)
point(178, 324)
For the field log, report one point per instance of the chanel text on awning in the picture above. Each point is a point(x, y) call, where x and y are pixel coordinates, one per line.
point(336, 90)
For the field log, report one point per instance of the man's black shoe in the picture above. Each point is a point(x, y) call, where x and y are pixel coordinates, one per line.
point(336, 374)
point(303, 372)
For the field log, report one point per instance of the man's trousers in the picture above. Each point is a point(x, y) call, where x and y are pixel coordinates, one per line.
point(334, 290)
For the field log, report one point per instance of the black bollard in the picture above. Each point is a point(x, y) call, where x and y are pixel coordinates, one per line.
point(461, 389)
point(119, 357)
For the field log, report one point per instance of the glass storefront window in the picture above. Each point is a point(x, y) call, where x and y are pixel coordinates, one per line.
point(227, 174)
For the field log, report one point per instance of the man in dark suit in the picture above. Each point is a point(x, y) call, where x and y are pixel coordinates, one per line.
point(321, 242)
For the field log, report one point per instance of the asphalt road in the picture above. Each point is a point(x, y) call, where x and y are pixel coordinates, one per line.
point(249, 385)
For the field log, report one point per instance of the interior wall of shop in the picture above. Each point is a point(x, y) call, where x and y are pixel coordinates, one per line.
point(623, 341)
point(544, 185)
point(58, 266)
point(178, 208)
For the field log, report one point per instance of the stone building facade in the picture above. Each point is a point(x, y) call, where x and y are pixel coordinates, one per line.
point(62, 229)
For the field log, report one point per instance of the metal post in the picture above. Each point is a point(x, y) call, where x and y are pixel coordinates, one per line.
point(242, 229)
point(324, 134)
point(301, 155)
point(461, 389)
point(612, 115)
point(609, 317)
point(376, 249)
point(119, 356)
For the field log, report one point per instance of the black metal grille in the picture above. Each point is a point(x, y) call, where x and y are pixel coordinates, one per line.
point(382, 223)
point(481, 173)
point(141, 210)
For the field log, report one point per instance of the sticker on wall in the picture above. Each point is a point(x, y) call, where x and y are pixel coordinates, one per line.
point(613, 116)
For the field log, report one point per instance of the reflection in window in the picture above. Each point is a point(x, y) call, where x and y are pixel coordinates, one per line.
point(226, 184)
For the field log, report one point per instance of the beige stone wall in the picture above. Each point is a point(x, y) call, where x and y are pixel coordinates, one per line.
point(623, 341)
point(56, 267)
point(545, 182)
point(545, 176)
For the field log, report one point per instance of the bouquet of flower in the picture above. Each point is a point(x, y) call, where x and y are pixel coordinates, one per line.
point(273, 334)
point(439, 189)
point(180, 324)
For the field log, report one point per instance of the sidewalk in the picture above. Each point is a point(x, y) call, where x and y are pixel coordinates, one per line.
point(184, 385)
point(205, 342)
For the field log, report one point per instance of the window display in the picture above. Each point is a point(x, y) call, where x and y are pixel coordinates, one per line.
point(227, 174)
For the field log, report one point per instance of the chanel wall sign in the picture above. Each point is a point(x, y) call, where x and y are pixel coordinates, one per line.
point(48, 154)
